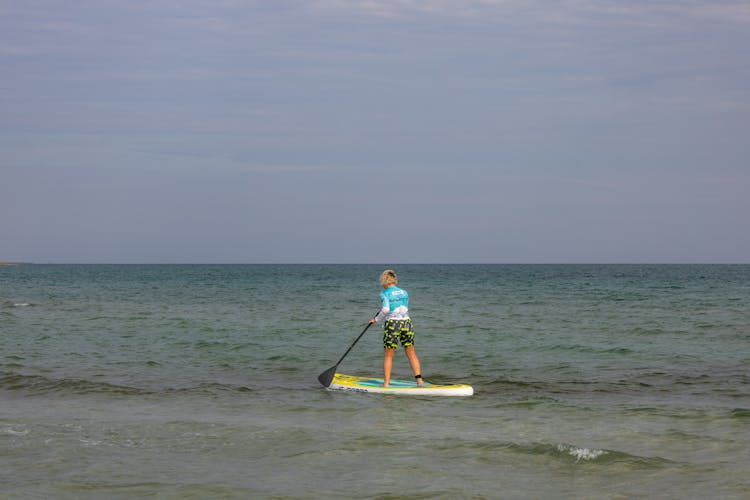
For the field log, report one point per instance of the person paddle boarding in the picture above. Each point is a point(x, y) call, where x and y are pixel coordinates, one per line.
point(394, 302)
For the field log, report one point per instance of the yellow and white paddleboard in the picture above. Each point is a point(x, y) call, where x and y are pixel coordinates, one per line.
point(404, 387)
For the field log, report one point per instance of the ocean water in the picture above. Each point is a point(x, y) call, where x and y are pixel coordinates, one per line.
point(591, 381)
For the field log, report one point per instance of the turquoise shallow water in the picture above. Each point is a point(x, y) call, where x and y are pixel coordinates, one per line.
point(200, 382)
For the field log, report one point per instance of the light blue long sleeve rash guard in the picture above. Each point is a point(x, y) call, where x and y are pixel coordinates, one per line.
point(394, 302)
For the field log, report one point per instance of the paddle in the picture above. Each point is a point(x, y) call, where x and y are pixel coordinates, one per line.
point(326, 377)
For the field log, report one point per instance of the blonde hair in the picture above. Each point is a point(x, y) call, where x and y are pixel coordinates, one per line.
point(388, 278)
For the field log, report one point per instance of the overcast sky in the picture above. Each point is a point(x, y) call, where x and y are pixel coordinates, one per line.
point(383, 131)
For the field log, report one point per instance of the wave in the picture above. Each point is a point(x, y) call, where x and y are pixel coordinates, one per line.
point(569, 453)
point(563, 380)
point(12, 304)
point(563, 453)
point(208, 389)
point(578, 348)
point(551, 390)
point(36, 385)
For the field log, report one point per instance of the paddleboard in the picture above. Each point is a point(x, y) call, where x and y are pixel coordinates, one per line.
point(343, 382)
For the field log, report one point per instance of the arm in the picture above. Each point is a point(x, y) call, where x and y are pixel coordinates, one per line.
point(384, 309)
point(380, 315)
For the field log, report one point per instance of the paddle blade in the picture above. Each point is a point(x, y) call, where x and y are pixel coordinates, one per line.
point(326, 377)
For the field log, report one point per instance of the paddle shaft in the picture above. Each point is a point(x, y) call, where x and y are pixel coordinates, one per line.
point(326, 377)
point(350, 347)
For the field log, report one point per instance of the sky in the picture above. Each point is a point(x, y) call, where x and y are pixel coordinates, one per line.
point(375, 131)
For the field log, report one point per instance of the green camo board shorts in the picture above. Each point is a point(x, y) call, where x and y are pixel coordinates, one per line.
point(398, 330)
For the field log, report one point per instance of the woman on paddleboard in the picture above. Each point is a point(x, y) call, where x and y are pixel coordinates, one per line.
point(394, 303)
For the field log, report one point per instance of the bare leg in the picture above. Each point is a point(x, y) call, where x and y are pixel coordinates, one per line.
point(387, 365)
point(414, 363)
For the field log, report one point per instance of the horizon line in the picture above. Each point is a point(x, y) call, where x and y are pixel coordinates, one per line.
point(407, 263)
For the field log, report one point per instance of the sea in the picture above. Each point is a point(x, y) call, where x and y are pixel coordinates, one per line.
point(200, 382)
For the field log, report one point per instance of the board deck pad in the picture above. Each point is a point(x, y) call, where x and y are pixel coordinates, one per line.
point(352, 383)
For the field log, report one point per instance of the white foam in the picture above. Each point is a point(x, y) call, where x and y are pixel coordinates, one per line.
point(90, 442)
point(13, 432)
point(581, 453)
